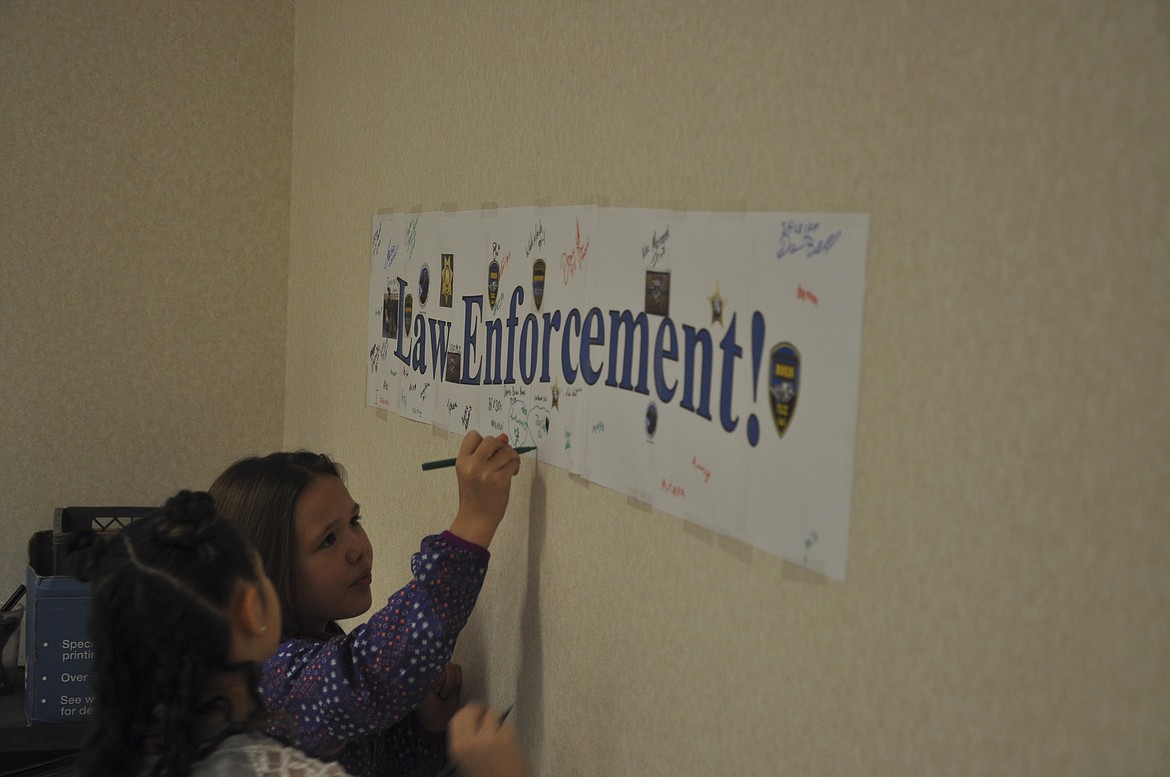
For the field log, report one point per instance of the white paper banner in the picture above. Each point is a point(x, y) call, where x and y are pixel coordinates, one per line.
point(705, 363)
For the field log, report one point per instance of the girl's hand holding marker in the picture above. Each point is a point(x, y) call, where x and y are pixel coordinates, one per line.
point(483, 743)
point(485, 468)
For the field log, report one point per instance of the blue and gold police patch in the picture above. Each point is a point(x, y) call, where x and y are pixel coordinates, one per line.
point(493, 283)
point(783, 384)
point(538, 273)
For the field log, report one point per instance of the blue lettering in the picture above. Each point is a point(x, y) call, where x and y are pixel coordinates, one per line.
point(551, 321)
point(588, 339)
point(616, 321)
point(692, 338)
point(731, 352)
point(399, 347)
point(440, 331)
point(470, 331)
point(665, 393)
point(418, 360)
point(573, 321)
point(528, 334)
point(494, 338)
point(517, 298)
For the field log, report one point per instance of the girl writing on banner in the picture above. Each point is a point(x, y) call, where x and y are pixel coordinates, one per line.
point(379, 698)
point(182, 616)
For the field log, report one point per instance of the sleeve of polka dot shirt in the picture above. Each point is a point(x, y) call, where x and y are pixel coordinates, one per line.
point(369, 679)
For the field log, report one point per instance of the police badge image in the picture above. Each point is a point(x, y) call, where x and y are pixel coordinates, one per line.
point(446, 280)
point(539, 269)
point(658, 292)
point(493, 287)
point(390, 313)
point(783, 384)
point(454, 366)
point(651, 421)
point(424, 285)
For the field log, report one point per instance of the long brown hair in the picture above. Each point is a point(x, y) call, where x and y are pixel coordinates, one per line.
point(259, 494)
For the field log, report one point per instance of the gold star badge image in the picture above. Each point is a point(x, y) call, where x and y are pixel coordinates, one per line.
point(716, 301)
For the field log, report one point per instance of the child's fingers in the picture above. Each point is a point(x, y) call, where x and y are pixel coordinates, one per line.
point(505, 459)
point(486, 448)
point(476, 717)
point(504, 455)
point(450, 681)
point(495, 454)
point(468, 720)
point(453, 679)
point(471, 441)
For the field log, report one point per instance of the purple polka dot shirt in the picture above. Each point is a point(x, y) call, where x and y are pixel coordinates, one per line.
point(351, 696)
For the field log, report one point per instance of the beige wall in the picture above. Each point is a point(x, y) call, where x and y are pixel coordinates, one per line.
point(145, 153)
point(1007, 609)
point(1008, 590)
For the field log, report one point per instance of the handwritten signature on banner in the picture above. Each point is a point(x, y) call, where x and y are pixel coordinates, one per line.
point(528, 424)
point(536, 239)
point(411, 236)
point(502, 264)
point(704, 471)
point(377, 353)
point(797, 236)
point(574, 260)
point(657, 248)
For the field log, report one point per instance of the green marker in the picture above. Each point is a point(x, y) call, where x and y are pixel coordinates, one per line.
point(440, 463)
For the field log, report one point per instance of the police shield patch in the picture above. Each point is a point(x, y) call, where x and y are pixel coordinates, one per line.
point(538, 269)
point(447, 280)
point(783, 384)
point(424, 284)
point(493, 283)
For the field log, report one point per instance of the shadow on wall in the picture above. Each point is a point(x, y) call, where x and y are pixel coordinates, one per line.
point(527, 671)
point(530, 676)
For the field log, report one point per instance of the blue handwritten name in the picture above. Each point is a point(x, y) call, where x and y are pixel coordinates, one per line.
point(797, 236)
point(412, 235)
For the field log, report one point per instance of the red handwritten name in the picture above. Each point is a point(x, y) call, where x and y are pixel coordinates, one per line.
point(803, 293)
point(572, 261)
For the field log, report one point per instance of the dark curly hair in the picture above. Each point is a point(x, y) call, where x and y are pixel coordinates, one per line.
point(159, 626)
point(259, 494)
